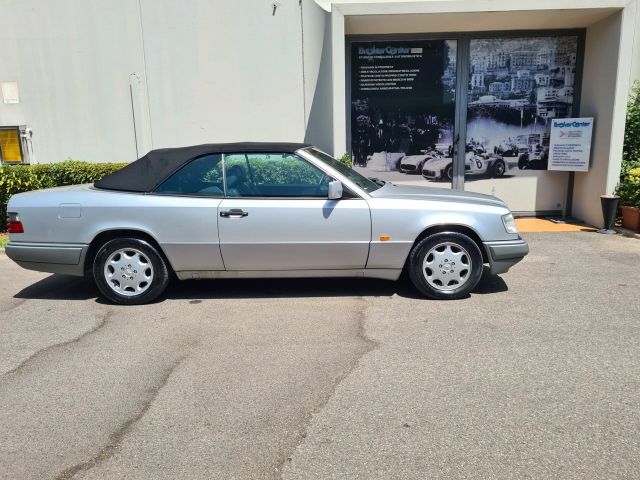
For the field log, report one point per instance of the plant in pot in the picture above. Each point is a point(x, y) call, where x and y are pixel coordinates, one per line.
point(629, 192)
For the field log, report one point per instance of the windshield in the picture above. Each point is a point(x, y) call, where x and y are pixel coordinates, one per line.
point(363, 182)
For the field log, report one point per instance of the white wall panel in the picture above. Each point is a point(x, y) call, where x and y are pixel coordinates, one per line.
point(604, 96)
point(72, 60)
point(223, 71)
point(318, 75)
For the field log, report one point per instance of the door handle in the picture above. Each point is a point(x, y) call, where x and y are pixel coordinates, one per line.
point(234, 212)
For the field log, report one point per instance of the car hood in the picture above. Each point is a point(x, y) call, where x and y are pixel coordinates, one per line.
point(413, 159)
point(436, 163)
point(434, 194)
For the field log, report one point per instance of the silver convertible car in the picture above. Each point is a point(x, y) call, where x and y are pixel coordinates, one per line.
point(258, 210)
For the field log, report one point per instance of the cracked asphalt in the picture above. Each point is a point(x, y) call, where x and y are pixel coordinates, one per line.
point(535, 375)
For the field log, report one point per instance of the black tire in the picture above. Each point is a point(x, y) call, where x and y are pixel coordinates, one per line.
point(498, 169)
point(523, 162)
point(158, 284)
point(417, 257)
point(448, 173)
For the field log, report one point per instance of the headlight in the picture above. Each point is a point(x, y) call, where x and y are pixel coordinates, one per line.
point(509, 223)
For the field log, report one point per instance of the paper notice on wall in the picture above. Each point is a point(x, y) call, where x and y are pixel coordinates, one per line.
point(570, 144)
point(10, 92)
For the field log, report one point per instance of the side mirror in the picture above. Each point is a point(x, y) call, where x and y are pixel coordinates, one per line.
point(335, 190)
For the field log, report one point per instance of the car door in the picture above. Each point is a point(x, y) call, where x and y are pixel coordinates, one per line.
point(276, 216)
point(184, 211)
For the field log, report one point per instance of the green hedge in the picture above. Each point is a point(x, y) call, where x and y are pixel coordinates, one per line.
point(23, 178)
point(629, 186)
point(631, 149)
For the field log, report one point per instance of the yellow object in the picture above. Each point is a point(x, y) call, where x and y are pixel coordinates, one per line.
point(10, 145)
point(384, 238)
point(533, 225)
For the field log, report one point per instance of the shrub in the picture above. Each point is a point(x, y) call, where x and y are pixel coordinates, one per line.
point(631, 149)
point(23, 178)
point(346, 159)
point(629, 188)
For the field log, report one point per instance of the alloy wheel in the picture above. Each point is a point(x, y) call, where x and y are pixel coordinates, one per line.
point(128, 272)
point(447, 266)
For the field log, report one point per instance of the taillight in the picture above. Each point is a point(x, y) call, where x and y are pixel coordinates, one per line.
point(14, 225)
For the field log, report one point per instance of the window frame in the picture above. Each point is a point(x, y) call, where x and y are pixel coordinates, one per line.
point(349, 193)
point(22, 160)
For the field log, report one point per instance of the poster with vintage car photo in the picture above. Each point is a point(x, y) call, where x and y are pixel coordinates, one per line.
point(516, 86)
point(403, 107)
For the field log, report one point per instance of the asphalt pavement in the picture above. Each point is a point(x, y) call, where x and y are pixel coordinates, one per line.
point(535, 375)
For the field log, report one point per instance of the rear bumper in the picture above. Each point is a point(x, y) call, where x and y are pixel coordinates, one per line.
point(67, 259)
point(503, 255)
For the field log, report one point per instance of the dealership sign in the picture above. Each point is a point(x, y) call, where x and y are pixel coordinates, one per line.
point(570, 144)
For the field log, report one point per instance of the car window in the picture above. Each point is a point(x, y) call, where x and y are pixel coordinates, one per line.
point(202, 176)
point(363, 182)
point(273, 175)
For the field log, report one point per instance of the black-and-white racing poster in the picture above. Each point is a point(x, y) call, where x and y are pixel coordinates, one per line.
point(402, 106)
point(516, 87)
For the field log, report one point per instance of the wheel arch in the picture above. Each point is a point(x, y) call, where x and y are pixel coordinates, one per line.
point(455, 228)
point(106, 235)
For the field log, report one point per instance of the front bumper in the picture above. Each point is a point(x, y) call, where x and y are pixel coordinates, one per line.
point(505, 254)
point(64, 258)
point(431, 174)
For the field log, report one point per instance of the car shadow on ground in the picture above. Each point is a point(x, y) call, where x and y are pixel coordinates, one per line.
point(60, 287)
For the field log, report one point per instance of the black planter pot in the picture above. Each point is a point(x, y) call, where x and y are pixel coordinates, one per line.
point(609, 211)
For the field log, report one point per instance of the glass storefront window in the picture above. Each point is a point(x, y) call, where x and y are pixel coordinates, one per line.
point(403, 110)
point(516, 86)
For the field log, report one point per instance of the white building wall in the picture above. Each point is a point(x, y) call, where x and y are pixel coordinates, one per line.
point(72, 60)
point(316, 25)
point(604, 96)
point(188, 72)
point(223, 71)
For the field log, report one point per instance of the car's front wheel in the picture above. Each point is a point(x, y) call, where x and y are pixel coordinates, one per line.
point(445, 265)
point(498, 169)
point(130, 271)
point(523, 162)
point(448, 173)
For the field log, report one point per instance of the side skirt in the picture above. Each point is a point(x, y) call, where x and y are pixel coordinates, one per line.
point(384, 273)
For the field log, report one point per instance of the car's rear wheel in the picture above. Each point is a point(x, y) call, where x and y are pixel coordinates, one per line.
point(130, 271)
point(445, 265)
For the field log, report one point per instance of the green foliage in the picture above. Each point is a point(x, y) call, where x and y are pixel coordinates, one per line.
point(629, 188)
point(290, 170)
point(346, 159)
point(631, 149)
point(23, 178)
point(276, 169)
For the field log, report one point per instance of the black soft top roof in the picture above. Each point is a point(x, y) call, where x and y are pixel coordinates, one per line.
point(146, 173)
